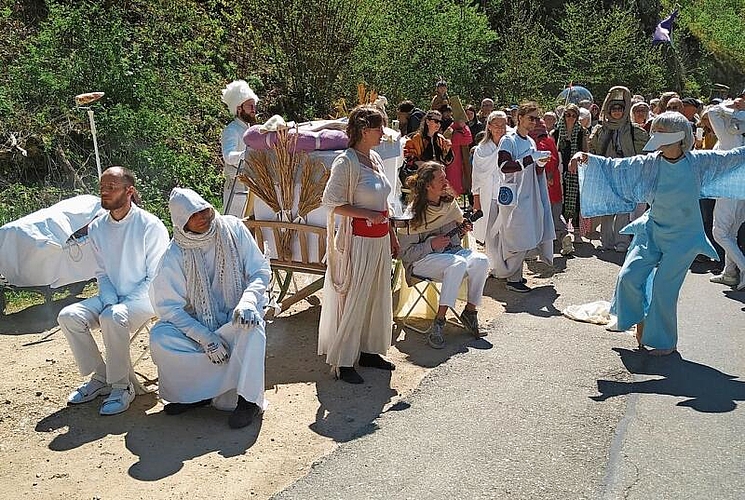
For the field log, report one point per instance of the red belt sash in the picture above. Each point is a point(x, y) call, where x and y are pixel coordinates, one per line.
point(363, 227)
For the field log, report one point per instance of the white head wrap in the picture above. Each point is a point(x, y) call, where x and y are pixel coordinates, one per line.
point(236, 93)
point(182, 204)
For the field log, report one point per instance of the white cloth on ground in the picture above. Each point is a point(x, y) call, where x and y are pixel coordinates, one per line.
point(182, 362)
point(597, 312)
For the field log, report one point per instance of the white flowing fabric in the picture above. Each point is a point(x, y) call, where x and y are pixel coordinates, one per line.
point(186, 374)
point(729, 214)
point(356, 317)
point(526, 226)
point(486, 184)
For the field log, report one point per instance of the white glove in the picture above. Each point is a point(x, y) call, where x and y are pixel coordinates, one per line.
point(217, 351)
point(542, 157)
point(246, 315)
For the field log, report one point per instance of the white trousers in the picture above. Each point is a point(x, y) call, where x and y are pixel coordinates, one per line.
point(728, 217)
point(186, 374)
point(450, 269)
point(116, 323)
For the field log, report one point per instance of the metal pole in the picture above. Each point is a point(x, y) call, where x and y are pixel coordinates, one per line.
point(238, 171)
point(95, 141)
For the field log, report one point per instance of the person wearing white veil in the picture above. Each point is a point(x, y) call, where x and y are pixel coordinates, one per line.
point(241, 101)
point(209, 293)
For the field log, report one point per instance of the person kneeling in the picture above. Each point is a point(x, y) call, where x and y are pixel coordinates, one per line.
point(209, 292)
point(431, 248)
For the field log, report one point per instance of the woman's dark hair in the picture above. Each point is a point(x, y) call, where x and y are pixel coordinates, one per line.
point(431, 115)
point(418, 184)
point(362, 117)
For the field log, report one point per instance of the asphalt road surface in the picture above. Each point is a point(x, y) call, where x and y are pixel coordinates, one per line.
point(545, 407)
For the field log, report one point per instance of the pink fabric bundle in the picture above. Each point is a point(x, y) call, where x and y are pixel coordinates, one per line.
point(308, 140)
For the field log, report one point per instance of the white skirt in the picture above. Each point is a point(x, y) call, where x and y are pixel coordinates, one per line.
point(360, 320)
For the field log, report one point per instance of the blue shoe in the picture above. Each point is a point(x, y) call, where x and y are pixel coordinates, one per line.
point(118, 401)
point(88, 392)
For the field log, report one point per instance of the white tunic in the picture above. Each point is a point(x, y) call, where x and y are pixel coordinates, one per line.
point(529, 224)
point(486, 177)
point(186, 374)
point(233, 148)
point(127, 254)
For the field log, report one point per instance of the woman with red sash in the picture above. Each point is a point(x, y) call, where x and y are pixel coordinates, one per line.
point(357, 312)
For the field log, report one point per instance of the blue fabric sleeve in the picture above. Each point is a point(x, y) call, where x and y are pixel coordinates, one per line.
point(616, 185)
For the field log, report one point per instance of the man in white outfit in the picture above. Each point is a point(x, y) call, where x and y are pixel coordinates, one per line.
point(431, 248)
point(728, 122)
point(241, 101)
point(128, 243)
point(210, 293)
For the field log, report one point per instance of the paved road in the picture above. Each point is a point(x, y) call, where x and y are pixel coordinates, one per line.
point(546, 408)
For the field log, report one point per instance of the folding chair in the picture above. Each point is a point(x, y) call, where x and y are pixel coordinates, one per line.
point(428, 293)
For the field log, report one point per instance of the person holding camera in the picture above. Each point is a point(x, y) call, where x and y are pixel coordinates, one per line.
point(431, 248)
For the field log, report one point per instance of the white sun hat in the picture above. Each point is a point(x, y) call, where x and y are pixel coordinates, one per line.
point(657, 139)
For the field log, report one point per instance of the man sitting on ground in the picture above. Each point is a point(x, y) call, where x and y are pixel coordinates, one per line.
point(128, 243)
point(210, 292)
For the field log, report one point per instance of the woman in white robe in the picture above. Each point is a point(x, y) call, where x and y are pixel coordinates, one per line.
point(209, 293)
point(357, 312)
point(486, 177)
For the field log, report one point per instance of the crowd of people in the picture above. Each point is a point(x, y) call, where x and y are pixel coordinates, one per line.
point(542, 179)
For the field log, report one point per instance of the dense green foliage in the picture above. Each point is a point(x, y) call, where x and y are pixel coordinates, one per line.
point(162, 64)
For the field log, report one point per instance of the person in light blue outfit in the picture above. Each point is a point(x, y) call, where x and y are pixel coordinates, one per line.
point(670, 234)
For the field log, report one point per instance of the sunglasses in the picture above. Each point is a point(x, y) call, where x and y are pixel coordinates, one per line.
point(436, 120)
point(570, 115)
point(617, 108)
point(535, 119)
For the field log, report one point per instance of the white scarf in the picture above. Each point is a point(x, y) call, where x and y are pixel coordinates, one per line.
point(228, 269)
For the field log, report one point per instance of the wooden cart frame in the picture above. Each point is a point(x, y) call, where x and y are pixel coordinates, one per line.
point(282, 268)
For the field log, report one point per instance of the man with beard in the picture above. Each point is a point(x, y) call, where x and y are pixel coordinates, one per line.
point(128, 243)
point(241, 101)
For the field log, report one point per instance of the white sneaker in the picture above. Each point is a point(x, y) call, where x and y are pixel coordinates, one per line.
point(724, 279)
point(88, 392)
point(118, 401)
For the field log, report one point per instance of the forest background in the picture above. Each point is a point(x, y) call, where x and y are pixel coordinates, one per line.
point(163, 63)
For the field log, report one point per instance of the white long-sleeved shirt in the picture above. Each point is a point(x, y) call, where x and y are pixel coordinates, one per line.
point(127, 253)
point(232, 142)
